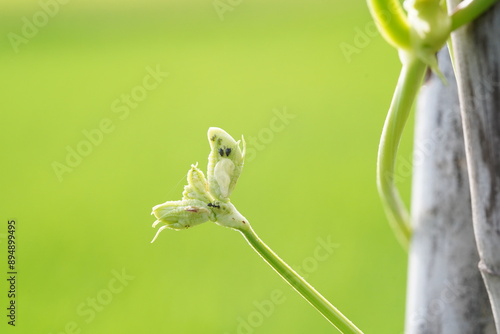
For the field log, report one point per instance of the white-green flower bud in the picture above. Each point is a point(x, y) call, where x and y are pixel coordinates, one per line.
point(225, 163)
point(180, 215)
point(197, 187)
point(204, 200)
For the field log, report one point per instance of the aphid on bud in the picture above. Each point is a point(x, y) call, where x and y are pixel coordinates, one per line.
point(225, 163)
point(202, 195)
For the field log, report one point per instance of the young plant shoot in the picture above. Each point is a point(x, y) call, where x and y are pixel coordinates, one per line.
point(207, 199)
point(417, 31)
point(418, 34)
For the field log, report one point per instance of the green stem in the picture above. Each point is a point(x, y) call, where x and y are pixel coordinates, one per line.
point(391, 21)
point(469, 11)
point(319, 302)
point(407, 89)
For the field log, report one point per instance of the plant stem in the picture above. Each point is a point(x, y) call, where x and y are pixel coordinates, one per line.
point(319, 302)
point(407, 89)
point(391, 21)
point(467, 11)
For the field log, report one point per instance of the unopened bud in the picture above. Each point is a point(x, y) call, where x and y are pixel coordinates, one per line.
point(197, 187)
point(225, 163)
point(180, 215)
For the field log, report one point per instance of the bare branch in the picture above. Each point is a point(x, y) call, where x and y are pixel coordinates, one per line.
point(477, 59)
point(446, 293)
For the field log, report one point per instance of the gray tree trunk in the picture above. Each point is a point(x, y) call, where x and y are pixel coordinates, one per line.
point(446, 293)
point(477, 56)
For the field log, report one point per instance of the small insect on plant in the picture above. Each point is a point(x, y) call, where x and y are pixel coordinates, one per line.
point(417, 31)
point(207, 199)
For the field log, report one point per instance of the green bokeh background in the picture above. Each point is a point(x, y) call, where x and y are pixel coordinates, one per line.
point(314, 179)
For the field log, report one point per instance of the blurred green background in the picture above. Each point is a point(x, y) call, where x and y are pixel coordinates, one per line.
point(311, 179)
